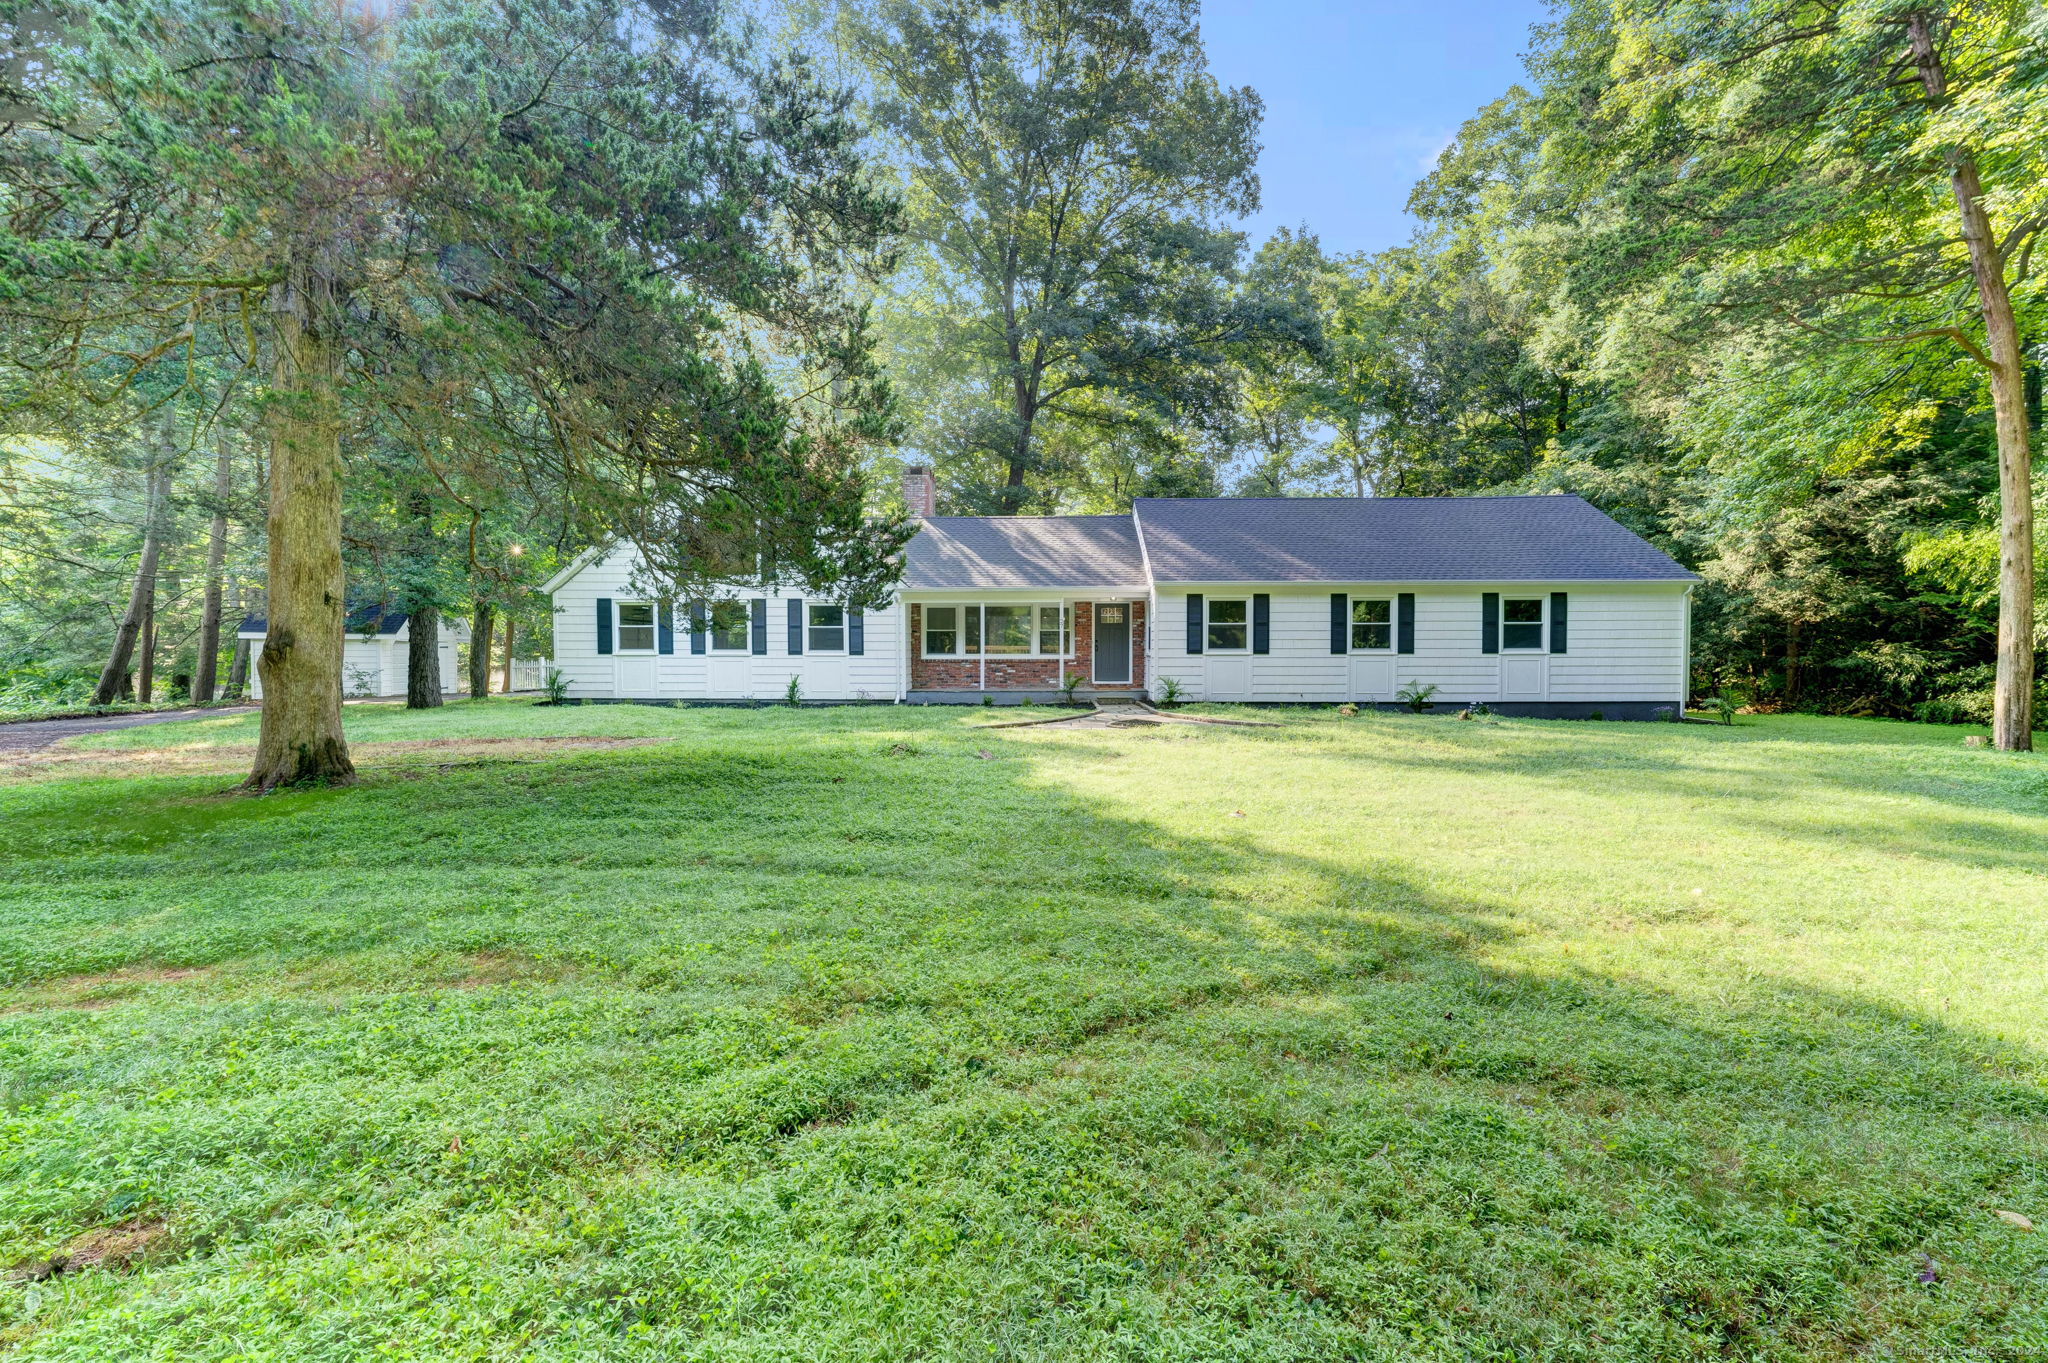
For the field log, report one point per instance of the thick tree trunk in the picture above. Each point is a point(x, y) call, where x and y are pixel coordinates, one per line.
point(508, 655)
point(216, 556)
point(423, 638)
point(145, 667)
point(113, 682)
point(2033, 387)
point(1791, 662)
point(301, 738)
point(238, 661)
point(1025, 407)
point(481, 622)
point(1020, 460)
point(2012, 703)
point(423, 659)
point(2012, 717)
point(238, 671)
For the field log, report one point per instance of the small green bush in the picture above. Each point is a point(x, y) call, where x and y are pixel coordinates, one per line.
point(1416, 696)
point(1966, 697)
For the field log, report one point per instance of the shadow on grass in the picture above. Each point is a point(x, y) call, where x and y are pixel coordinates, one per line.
point(1753, 777)
point(937, 1019)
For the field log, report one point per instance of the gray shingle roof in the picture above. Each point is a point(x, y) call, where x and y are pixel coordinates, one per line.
point(1003, 552)
point(374, 617)
point(1553, 538)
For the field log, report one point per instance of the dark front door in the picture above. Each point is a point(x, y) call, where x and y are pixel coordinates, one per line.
point(1112, 642)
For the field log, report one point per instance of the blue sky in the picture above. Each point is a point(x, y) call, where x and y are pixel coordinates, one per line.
point(1360, 97)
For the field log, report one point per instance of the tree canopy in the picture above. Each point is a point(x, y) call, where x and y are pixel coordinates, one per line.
point(1755, 277)
point(540, 244)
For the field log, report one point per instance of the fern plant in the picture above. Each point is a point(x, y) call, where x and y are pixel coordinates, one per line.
point(1416, 696)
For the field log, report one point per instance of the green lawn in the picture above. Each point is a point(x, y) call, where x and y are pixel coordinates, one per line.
point(876, 1034)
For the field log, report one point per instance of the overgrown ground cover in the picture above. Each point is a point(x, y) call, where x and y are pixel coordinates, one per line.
point(878, 1034)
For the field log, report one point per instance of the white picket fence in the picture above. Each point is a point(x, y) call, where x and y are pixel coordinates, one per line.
point(529, 674)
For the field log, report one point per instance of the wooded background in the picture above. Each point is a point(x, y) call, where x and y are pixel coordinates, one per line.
point(1755, 278)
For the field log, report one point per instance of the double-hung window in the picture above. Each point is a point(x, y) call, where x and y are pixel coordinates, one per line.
point(997, 630)
point(1229, 624)
point(1372, 622)
point(731, 627)
point(1054, 631)
point(636, 627)
point(825, 627)
point(1521, 622)
point(943, 637)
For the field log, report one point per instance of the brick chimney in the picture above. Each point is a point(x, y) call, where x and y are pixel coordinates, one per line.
point(920, 493)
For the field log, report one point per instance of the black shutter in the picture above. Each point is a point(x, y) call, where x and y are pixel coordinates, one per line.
point(1557, 614)
point(856, 632)
point(665, 625)
point(1340, 623)
point(1194, 622)
point(1404, 626)
point(696, 627)
point(760, 622)
point(1489, 622)
point(796, 627)
point(604, 624)
point(1262, 623)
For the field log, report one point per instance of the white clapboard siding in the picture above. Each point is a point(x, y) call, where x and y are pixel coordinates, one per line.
point(369, 667)
point(1625, 643)
point(683, 675)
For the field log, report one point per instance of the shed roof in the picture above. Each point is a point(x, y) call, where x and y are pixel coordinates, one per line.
point(1008, 552)
point(1548, 538)
point(375, 617)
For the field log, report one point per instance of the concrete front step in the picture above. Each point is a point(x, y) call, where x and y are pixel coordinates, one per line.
point(1083, 696)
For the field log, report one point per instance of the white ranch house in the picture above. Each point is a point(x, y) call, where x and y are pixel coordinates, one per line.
point(1535, 605)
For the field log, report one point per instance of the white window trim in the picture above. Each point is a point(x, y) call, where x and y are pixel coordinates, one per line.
point(1066, 629)
point(711, 644)
point(845, 630)
point(1542, 623)
point(619, 628)
point(1393, 625)
point(924, 630)
point(1208, 619)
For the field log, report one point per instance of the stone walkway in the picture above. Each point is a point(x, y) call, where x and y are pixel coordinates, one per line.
point(1129, 715)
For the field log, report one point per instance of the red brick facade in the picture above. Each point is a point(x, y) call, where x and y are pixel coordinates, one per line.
point(1025, 674)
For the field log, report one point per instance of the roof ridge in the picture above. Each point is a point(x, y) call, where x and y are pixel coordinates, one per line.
point(1048, 516)
point(1447, 497)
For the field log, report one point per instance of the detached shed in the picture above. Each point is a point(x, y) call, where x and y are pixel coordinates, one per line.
point(376, 639)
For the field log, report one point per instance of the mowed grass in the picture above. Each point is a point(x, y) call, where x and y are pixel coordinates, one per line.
point(878, 1034)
